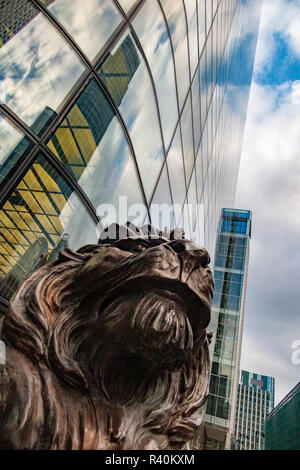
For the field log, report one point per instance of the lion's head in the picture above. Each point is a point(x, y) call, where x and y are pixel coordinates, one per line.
point(123, 322)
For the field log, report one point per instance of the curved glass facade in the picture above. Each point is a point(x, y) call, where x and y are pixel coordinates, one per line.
point(106, 98)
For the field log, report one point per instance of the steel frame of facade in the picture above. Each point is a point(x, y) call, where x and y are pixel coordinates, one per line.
point(39, 142)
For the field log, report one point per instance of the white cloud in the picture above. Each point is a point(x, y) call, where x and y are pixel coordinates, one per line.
point(278, 17)
point(38, 68)
point(82, 20)
point(269, 184)
point(252, 353)
point(9, 137)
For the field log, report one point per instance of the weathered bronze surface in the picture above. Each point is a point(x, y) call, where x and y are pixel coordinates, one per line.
point(107, 347)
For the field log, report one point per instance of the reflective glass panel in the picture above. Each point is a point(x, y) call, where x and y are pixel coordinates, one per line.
point(153, 35)
point(192, 199)
point(90, 23)
point(127, 4)
point(12, 147)
point(14, 16)
point(187, 138)
point(201, 24)
point(215, 52)
point(191, 12)
point(196, 108)
point(199, 173)
point(204, 149)
point(91, 143)
point(125, 75)
point(199, 227)
point(208, 14)
point(41, 217)
point(185, 222)
point(209, 70)
point(203, 86)
point(177, 25)
point(9, 137)
point(215, 5)
point(37, 68)
point(161, 206)
point(176, 170)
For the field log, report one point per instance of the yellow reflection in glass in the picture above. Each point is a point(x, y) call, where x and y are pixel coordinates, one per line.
point(31, 224)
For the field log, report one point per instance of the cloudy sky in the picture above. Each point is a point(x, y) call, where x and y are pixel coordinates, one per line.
point(269, 185)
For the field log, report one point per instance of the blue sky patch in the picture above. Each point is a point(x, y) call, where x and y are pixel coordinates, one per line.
point(284, 65)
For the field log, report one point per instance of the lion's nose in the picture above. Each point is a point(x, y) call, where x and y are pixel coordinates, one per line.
point(191, 249)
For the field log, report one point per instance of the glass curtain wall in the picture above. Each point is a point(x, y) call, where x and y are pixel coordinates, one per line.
point(255, 400)
point(144, 99)
point(230, 271)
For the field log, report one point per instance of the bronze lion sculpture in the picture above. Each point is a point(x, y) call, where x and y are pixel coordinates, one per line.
point(107, 347)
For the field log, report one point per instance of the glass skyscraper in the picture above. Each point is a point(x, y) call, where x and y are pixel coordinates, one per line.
point(230, 271)
point(255, 400)
point(282, 427)
point(99, 99)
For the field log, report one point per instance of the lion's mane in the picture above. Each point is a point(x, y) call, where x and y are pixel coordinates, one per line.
point(101, 353)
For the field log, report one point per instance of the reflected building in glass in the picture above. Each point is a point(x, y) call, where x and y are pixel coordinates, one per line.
point(255, 400)
point(230, 272)
point(100, 99)
point(14, 16)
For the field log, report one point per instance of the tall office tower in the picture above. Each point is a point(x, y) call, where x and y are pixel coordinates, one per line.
point(282, 426)
point(106, 98)
point(230, 271)
point(13, 17)
point(255, 400)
